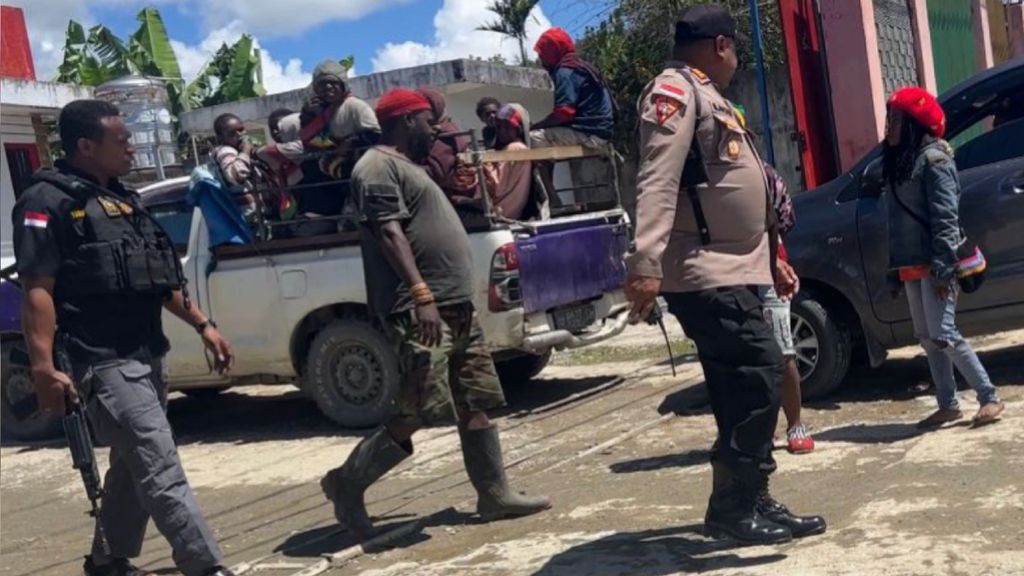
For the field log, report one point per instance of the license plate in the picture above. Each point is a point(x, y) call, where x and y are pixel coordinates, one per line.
point(575, 318)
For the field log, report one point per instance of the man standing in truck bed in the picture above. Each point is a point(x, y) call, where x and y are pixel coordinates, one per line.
point(418, 268)
point(703, 239)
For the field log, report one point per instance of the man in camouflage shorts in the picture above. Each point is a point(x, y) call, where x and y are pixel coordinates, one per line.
point(419, 277)
point(455, 377)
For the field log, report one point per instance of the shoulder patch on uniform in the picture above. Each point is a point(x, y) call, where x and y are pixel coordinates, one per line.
point(700, 75)
point(665, 107)
point(110, 208)
point(77, 214)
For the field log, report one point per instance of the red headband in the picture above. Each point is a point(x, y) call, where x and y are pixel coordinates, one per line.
point(399, 102)
point(920, 105)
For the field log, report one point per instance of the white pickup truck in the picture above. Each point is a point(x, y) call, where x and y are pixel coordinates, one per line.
point(295, 309)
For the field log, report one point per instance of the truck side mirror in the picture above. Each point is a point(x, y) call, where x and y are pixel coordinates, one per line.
point(872, 182)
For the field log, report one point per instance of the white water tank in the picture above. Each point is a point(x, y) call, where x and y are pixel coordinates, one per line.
point(145, 108)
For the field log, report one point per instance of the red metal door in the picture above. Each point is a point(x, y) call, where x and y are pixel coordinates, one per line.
point(808, 80)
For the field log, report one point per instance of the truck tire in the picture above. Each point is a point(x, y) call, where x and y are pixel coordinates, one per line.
point(521, 369)
point(352, 374)
point(823, 347)
point(15, 391)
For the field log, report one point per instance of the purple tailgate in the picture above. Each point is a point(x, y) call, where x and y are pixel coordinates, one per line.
point(559, 268)
point(10, 307)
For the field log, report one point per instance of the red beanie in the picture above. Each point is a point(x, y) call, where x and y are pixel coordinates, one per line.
point(399, 102)
point(920, 105)
point(552, 45)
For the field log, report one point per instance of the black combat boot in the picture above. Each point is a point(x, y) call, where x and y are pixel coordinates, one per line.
point(346, 485)
point(116, 567)
point(481, 452)
point(732, 513)
point(773, 510)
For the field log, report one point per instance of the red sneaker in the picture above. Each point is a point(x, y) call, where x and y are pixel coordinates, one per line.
point(799, 440)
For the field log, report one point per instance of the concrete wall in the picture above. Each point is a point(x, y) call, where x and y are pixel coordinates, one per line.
point(787, 154)
point(15, 128)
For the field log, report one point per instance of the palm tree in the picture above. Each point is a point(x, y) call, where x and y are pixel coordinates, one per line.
point(512, 17)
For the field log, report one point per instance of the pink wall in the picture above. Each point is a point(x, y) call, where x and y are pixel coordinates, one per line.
point(855, 77)
point(1015, 17)
point(923, 45)
point(982, 35)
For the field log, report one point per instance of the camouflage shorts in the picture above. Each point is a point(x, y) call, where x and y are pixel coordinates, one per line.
point(455, 377)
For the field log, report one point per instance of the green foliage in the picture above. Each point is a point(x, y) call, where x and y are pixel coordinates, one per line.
point(232, 74)
point(633, 42)
point(512, 17)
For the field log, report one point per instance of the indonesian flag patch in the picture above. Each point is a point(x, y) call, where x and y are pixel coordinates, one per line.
point(36, 220)
point(668, 99)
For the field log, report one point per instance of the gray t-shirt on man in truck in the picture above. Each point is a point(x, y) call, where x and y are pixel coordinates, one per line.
point(388, 186)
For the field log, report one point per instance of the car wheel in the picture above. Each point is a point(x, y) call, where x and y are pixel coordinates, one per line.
point(823, 349)
point(20, 417)
point(352, 374)
point(522, 369)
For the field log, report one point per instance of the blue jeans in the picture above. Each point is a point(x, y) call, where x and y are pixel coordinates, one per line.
point(935, 327)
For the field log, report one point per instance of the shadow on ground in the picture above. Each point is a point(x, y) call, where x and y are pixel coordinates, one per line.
point(658, 552)
point(683, 460)
point(329, 540)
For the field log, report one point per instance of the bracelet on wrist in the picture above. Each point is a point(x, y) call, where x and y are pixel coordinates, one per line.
point(202, 326)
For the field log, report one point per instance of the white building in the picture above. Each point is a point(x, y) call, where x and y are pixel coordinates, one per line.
point(26, 107)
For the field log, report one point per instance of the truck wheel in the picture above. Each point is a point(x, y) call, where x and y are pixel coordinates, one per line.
point(823, 348)
point(20, 417)
point(521, 369)
point(352, 373)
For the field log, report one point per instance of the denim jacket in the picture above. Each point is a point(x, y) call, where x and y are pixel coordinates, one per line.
point(933, 193)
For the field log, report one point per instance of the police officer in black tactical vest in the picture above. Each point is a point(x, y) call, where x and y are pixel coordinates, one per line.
point(96, 271)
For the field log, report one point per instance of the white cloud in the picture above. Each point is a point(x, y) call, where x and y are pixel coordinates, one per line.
point(277, 76)
point(288, 17)
point(456, 36)
point(47, 21)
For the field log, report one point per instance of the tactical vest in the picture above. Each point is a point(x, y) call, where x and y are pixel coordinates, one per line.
point(121, 248)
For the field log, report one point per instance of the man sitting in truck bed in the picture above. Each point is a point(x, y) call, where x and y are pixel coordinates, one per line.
point(459, 182)
point(508, 183)
point(333, 120)
point(584, 111)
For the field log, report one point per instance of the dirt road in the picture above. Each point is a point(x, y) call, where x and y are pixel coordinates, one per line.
point(629, 483)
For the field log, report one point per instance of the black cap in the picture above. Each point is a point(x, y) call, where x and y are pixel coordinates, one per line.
point(705, 21)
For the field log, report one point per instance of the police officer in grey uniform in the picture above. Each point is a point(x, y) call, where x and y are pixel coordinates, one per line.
point(704, 227)
point(96, 271)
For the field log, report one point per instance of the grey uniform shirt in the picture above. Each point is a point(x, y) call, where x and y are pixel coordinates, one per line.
point(734, 199)
point(388, 186)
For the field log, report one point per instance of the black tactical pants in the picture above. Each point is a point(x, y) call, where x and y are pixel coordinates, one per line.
point(743, 368)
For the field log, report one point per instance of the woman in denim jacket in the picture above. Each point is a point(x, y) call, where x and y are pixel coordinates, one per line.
point(924, 189)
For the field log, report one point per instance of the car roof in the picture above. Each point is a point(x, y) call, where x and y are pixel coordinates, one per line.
point(169, 190)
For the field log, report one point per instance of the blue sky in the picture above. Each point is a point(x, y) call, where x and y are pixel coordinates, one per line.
point(296, 34)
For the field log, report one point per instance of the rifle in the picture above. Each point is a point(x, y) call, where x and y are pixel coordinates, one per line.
point(76, 429)
point(83, 459)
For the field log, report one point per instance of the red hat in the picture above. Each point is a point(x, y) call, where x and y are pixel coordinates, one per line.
point(399, 102)
point(553, 45)
point(920, 105)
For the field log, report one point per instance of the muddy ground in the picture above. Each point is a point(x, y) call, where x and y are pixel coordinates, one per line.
point(621, 448)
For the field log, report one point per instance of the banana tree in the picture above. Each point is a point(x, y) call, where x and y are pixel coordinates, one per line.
point(234, 73)
point(95, 58)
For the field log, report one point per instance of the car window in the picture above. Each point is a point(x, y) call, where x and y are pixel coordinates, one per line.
point(176, 218)
point(994, 134)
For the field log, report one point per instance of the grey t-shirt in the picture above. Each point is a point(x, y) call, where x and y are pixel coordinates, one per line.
point(388, 186)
